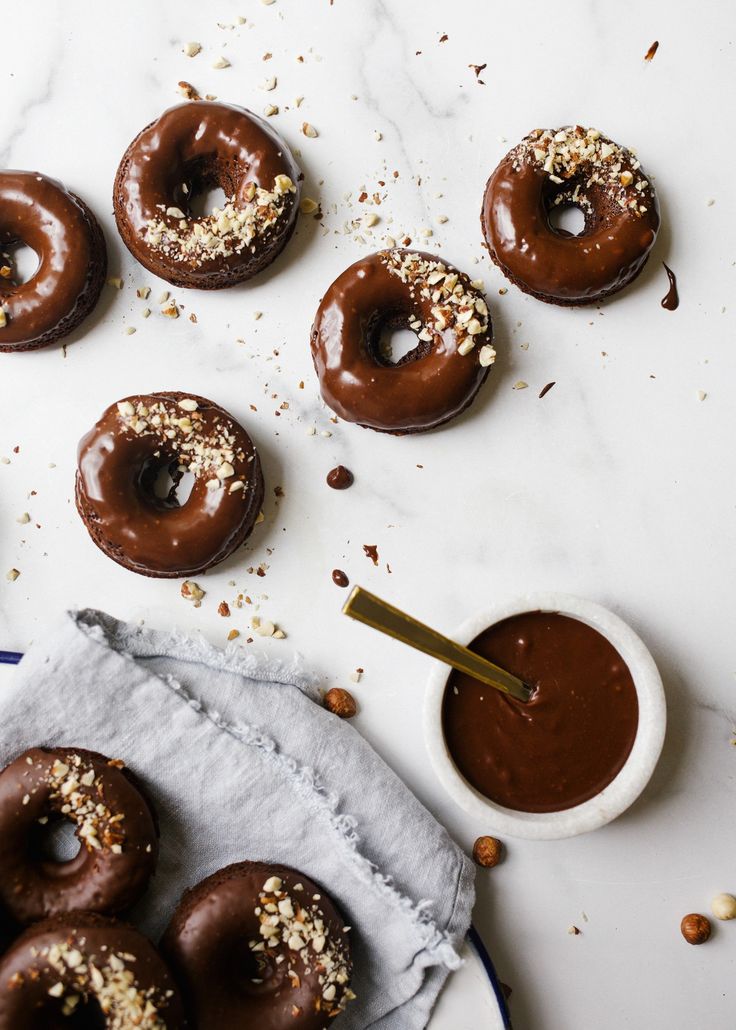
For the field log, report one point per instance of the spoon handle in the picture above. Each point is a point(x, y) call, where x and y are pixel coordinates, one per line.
point(372, 611)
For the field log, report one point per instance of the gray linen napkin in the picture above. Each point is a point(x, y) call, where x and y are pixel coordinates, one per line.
point(242, 764)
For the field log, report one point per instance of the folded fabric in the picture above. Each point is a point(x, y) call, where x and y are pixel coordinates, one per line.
point(241, 763)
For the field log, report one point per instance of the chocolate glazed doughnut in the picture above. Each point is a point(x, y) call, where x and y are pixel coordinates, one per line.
point(119, 463)
point(84, 971)
point(570, 167)
point(192, 148)
point(72, 261)
point(435, 381)
point(115, 825)
point(259, 945)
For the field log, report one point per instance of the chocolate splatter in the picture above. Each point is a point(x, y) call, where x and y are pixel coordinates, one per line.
point(652, 50)
point(545, 389)
point(478, 68)
point(371, 551)
point(671, 299)
point(340, 478)
point(339, 578)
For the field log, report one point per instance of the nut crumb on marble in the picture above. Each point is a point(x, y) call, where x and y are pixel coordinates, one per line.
point(12, 574)
point(188, 91)
point(192, 49)
point(191, 591)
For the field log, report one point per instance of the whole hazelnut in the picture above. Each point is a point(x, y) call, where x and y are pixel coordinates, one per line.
point(340, 702)
point(695, 928)
point(487, 851)
point(724, 906)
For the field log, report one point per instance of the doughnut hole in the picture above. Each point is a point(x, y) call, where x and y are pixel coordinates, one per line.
point(243, 969)
point(87, 1015)
point(22, 261)
point(204, 185)
point(567, 220)
point(163, 484)
point(203, 204)
point(58, 841)
point(394, 343)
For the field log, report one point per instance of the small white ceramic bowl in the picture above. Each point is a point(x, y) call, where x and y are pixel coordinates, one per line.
point(621, 792)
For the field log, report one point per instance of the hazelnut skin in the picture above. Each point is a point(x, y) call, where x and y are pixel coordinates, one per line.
point(695, 928)
point(340, 702)
point(487, 852)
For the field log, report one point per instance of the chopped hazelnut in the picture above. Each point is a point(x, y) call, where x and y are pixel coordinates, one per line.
point(191, 591)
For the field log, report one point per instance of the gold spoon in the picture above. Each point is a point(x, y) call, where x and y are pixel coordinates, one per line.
point(371, 610)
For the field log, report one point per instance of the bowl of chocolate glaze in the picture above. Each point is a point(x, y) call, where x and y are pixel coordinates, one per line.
point(580, 751)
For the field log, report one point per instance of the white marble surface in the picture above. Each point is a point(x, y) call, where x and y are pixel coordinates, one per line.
point(618, 485)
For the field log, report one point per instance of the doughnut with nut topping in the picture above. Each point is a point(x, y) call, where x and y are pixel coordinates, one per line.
point(83, 970)
point(120, 464)
point(572, 167)
point(260, 945)
point(42, 214)
point(434, 382)
point(191, 149)
point(114, 824)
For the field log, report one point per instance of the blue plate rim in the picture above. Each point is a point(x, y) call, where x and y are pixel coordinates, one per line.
point(475, 940)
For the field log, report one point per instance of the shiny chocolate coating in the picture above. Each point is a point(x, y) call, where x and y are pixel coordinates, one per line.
point(550, 263)
point(72, 260)
point(117, 467)
point(86, 972)
point(118, 840)
point(227, 984)
point(569, 741)
point(191, 148)
point(427, 387)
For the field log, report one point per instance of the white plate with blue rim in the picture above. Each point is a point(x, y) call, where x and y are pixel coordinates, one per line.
point(471, 999)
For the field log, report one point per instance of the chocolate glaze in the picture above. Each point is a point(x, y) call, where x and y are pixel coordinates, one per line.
point(569, 741)
point(203, 145)
point(671, 300)
point(208, 946)
point(339, 578)
point(108, 958)
point(160, 537)
point(60, 228)
point(33, 886)
point(550, 263)
point(429, 386)
point(340, 478)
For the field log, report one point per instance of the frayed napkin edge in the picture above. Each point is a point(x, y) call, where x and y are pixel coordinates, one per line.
point(104, 630)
